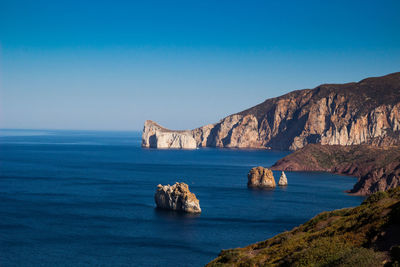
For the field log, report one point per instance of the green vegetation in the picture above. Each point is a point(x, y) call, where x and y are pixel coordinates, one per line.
point(368, 235)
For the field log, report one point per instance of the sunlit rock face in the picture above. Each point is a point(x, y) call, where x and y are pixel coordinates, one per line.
point(176, 197)
point(367, 112)
point(260, 177)
point(156, 136)
point(283, 180)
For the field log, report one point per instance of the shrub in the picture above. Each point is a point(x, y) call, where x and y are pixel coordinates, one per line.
point(375, 197)
point(358, 257)
point(395, 253)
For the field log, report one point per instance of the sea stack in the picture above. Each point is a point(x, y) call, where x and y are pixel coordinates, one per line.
point(156, 136)
point(176, 197)
point(283, 179)
point(260, 177)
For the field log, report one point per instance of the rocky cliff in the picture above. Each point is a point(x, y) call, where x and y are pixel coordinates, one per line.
point(367, 235)
point(336, 114)
point(176, 197)
point(156, 136)
point(377, 168)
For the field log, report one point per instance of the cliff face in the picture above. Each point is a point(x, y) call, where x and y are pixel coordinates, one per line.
point(335, 114)
point(155, 136)
point(367, 235)
point(377, 169)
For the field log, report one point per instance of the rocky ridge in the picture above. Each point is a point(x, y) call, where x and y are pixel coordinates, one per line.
point(176, 197)
point(377, 168)
point(366, 112)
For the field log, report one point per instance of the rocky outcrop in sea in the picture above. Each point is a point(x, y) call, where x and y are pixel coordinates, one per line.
point(156, 136)
point(366, 112)
point(283, 179)
point(176, 197)
point(260, 177)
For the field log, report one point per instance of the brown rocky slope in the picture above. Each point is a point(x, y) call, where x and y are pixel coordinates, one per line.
point(377, 168)
point(336, 114)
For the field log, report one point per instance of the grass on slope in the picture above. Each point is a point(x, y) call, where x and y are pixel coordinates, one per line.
point(368, 235)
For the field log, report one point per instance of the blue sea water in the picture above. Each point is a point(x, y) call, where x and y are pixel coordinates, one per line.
point(85, 198)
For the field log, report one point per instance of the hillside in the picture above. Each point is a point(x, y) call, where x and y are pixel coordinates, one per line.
point(368, 235)
point(377, 168)
point(365, 112)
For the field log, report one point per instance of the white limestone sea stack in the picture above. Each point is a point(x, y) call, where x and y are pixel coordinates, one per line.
point(156, 136)
point(283, 180)
point(176, 197)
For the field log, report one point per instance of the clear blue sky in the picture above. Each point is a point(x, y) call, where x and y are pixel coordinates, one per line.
point(113, 64)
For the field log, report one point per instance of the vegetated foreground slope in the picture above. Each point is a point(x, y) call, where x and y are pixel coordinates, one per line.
point(368, 235)
point(377, 168)
point(365, 112)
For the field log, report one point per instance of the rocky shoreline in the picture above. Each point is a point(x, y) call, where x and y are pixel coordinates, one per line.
point(345, 117)
point(351, 129)
point(377, 168)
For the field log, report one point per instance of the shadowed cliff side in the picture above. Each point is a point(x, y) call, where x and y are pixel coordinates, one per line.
point(377, 168)
point(368, 235)
point(366, 112)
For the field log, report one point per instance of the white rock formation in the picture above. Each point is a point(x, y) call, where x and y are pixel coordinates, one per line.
point(283, 179)
point(156, 136)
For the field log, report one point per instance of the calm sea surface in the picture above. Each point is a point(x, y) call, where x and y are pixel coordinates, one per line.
point(78, 198)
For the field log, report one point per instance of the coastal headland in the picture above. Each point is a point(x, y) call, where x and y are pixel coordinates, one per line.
point(364, 112)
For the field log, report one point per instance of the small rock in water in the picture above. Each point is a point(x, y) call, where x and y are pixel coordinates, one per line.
point(283, 179)
point(176, 197)
point(261, 177)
